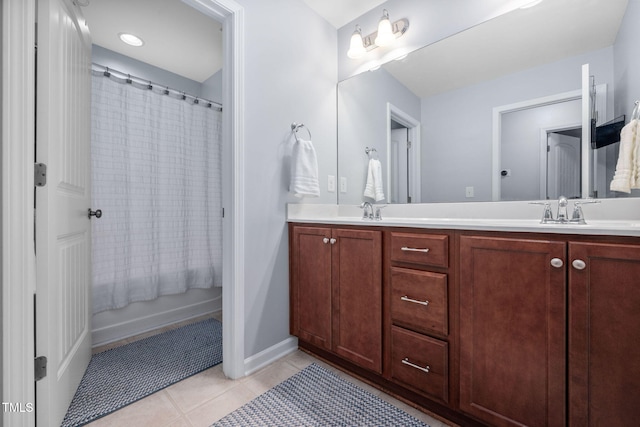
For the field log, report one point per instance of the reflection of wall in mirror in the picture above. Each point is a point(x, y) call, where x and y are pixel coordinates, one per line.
point(362, 122)
point(457, 126)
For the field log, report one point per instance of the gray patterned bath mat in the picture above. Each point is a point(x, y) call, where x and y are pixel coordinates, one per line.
point(118, 377)
point(317, 397)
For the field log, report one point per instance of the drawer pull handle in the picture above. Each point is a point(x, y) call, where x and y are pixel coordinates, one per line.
point(415, 301)
point(413, 365)
point(406, 249)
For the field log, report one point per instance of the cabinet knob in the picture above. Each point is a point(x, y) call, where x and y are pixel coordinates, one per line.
point(557, 262)
point(332, 241)
point(325, 240)
point(579, 264)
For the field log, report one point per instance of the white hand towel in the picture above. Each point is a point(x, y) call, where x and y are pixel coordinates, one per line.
point(624, 175)
point(304, 170)
point(373, 188)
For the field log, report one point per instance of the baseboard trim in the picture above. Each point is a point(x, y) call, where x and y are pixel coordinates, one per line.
point(129, 328)
point(270, 355)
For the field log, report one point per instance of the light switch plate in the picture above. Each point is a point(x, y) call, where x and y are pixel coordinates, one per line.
point(331, 183)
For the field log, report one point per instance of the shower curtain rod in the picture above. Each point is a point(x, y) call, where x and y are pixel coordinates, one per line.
point(129, 79)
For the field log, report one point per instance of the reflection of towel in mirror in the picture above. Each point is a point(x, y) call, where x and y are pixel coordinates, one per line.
point(628, 166)
point(304, 170)
point(373, 188)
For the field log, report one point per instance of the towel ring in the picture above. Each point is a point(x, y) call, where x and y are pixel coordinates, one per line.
point(294, 128)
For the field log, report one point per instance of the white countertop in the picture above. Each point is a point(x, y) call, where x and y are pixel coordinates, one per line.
point(616, 217)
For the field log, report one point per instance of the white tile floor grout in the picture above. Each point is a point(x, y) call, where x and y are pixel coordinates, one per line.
point(204, 398)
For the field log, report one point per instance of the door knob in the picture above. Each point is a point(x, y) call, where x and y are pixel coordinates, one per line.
point(97, 213)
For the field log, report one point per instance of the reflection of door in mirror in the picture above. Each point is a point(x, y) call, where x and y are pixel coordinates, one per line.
point(520, 143)
point(563, 163)
point(403, 156)
point(400, 168)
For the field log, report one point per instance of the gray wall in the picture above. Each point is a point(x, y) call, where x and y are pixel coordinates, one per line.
point(143, 70)
point(627, 73)
point(290, 75)
point(212, 88)
point(457, 125)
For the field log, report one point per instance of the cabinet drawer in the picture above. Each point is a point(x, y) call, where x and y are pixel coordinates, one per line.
point(419, 300)
point(420, 362)
point(427, 249)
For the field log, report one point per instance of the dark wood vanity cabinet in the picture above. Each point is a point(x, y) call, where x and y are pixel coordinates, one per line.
point(483, 328)
point(417, 294)
point(336, 291)
point(512, 331)
point(604, 335)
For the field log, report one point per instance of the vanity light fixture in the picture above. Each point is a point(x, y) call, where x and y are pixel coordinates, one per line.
point(356, 47)
point(131, 39)
point(386, 34)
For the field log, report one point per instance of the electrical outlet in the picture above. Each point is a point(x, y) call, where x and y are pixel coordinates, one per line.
point(468, 192)
point(331, 184)
point(343, 184)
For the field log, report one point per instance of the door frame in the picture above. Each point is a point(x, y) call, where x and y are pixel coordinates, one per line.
point(18, 249)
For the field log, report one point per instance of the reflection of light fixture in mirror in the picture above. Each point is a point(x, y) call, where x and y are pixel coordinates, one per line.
point(530, 4)
point(386, 34)
point(131, 40)
point(356, 47)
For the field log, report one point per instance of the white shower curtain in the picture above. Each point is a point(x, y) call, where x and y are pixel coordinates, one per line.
point(156, 172)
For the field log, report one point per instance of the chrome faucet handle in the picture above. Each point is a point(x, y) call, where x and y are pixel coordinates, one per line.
point(578, 216)
point(562, 209)
point(378, 215)
point(547, 215)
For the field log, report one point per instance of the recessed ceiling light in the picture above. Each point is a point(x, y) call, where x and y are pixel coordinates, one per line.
point(130, 39)
point(531, 4)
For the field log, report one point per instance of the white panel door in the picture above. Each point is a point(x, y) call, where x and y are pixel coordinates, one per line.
point(399, 166)
point(63, 228)
point(563, 169)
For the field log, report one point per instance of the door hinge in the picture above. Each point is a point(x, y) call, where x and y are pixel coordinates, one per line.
point(40, 368)
point(409, 144)
point(40, 175)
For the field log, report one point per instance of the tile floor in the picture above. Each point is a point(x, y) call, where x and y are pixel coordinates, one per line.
point(206, 397)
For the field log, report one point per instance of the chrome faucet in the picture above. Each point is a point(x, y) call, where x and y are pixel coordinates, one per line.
point(367, 210)
point(562, 210)
point(562, 218)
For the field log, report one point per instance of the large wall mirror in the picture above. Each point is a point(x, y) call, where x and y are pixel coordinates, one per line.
point(496, 112)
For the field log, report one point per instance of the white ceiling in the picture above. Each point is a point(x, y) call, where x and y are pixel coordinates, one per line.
point(182, 40)
point(177, 37)
point(341, 12)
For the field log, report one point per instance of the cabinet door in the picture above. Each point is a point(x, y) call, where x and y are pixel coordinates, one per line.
point(311, 285)
point(512, 331)
point(357, 297)
point(604, 335)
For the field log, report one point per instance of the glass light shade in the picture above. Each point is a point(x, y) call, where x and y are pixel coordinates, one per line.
point(385, 32)
point(356, 47)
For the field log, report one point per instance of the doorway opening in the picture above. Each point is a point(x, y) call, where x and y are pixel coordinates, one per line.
point(403, 156)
